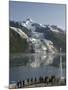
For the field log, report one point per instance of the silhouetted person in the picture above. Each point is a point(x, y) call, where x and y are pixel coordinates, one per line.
point(28, 81)
point(65, 81)
point(46, 80)
point(31, 80)
point(23, 83)
point(50, 80)
point(40, 79)
point(53, 79)
point(35, 79)
point(18, 84)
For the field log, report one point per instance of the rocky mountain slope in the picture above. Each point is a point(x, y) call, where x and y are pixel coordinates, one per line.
point(31, 37)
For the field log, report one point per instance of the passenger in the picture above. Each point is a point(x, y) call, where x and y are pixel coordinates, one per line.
point(53, 79)
point(35, 79)
point(31, 80)
point(28, 80)
point(40, 79)
point(20, 84)
point(23, 83)
point(46, 80)
point(65, 81)
point(50, 80)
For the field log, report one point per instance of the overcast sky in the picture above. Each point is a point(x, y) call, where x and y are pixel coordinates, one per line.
point(43, 13)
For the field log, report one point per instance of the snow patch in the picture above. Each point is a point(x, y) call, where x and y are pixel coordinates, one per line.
point(20, 32)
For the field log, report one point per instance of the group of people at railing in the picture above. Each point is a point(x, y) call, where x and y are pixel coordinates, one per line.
point(47, 80)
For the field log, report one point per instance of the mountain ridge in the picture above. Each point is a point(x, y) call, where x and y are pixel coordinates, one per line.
point(47, 38)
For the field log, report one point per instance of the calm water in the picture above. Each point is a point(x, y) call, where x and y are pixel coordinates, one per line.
point(23, 66)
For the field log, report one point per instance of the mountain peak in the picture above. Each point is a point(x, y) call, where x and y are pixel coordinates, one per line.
point(29, 19)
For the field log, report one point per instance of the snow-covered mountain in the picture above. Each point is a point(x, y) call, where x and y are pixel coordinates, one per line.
point(30, 24)
point(42, 38)
point(40, 44)
point(37, 35)
point(20, 32)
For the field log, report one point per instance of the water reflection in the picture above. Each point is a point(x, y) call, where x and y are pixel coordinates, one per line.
point(36, 60)
point(24, 66)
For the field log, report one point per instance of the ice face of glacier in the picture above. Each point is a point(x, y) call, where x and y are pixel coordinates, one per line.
point(39, 42)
